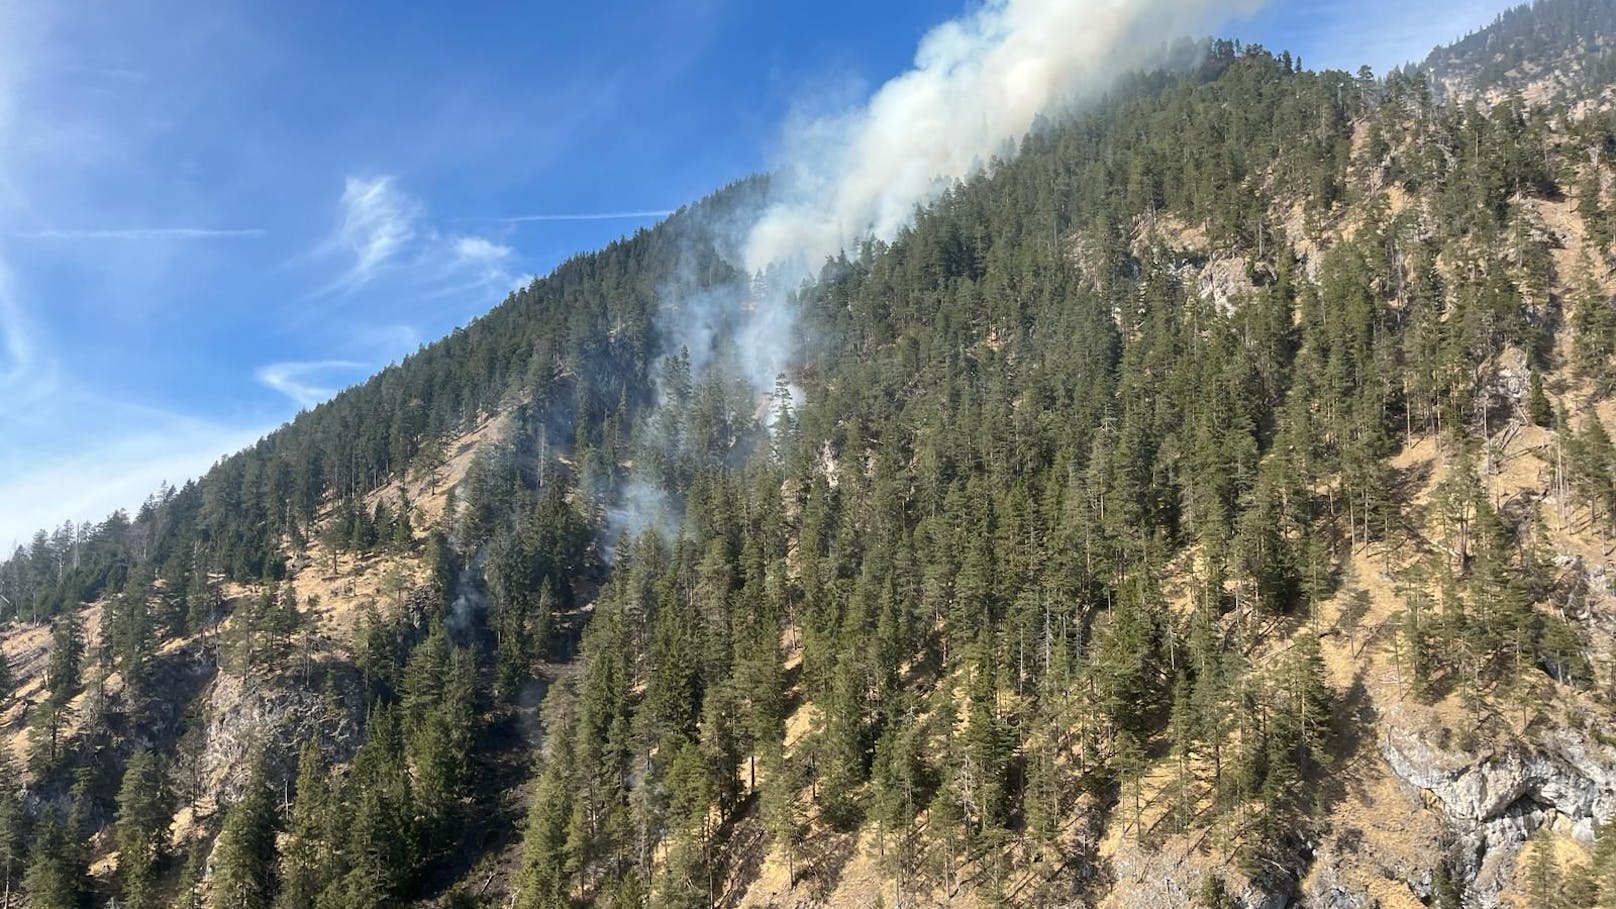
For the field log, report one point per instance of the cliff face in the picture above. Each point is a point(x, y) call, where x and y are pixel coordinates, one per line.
point(1495, 800)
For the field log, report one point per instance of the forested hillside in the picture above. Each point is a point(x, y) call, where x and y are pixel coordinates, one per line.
point(1559, 49)
point(1211, 504)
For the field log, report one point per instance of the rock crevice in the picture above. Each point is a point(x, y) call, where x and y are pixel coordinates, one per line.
point(1494, 801)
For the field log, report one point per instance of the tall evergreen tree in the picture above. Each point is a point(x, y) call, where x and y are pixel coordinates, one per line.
point(145, 806)
point(244, 857)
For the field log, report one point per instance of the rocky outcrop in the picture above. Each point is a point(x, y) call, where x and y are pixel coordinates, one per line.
point(1327, 890)
point(247, 715)
point(1171, 878)
point(1494, 801)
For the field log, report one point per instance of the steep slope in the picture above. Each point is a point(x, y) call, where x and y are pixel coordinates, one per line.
point(1209, 504)
point(277, 599)
point(1543, 51)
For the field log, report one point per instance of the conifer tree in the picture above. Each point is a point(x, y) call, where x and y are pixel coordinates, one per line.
point(1603, 867)
point(1538, 408)
point(13, 824)
point(7, 683)
point(244, 857)
point(839, 750)
point(306, 860)
point(1542, 876)
point(781, 812)
point(543, 876)
point(63, 678)
point(57, 872)
point(145, 806)
point(188, 889)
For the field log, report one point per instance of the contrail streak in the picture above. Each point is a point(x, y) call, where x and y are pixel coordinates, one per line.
point(145, 233)
point(589, 216)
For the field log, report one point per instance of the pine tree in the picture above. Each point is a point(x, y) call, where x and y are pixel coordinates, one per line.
point(1603, 867)
point(1128, 662)
point(1309, 698)
point(782, 814)
point(1542, 877)
point(1538, 408)
point(130, 631)
point(945, 827)
point(986, 752)
point(201, 603)
point(686, 879)
point(1182, 726)
point(898, 782)
point(1592, 466)
point(1580, 890)
point(63, 678)
point(244, 857)
point(1593, 323)
point(8, 685)
point(1213, 893)
point(306, 860)
point(56, 876)
point(188, 889)
point(1043, 801)
point(145, 806)
point(542, 884)
point(13, 822)
point(382, 847)
point(839, 750)
point(1129, 763)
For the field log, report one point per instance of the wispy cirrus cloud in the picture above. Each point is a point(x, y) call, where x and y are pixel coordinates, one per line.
point(638, 215)
point(307, 382)
point(478, 263)
point(377, 223)
point(26, 372)
point(384, 248)
point(144, 233)
point(89, 481)
point(384, 232)
point(480, 252)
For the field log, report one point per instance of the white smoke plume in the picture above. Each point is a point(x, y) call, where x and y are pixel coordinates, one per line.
point(641, 507)
point(977, 85)
point(470, 602)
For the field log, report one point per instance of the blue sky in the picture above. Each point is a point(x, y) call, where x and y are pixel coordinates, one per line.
point(212, 214)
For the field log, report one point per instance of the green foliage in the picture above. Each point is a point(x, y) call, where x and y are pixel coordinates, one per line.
point(1213, 893)
point(962, 518)
point(13, 823)
point(244, 857)
point(1542, 875)
point(187, 890)
point(307, 857)
point(262, 630)
point(57, 874)
point(145, 807)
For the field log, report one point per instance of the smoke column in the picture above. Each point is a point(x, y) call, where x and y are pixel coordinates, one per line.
point(977, 85)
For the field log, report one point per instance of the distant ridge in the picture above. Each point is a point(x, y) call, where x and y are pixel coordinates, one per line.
point(1552, 49)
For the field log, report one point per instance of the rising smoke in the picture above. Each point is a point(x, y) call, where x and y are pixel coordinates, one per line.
point(978, 84)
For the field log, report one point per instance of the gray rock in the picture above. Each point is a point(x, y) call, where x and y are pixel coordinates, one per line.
point(246, 715)
point(1326, 890)
point(1496, 800)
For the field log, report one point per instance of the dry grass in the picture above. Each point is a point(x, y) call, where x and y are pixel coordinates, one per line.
point(381, 580)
